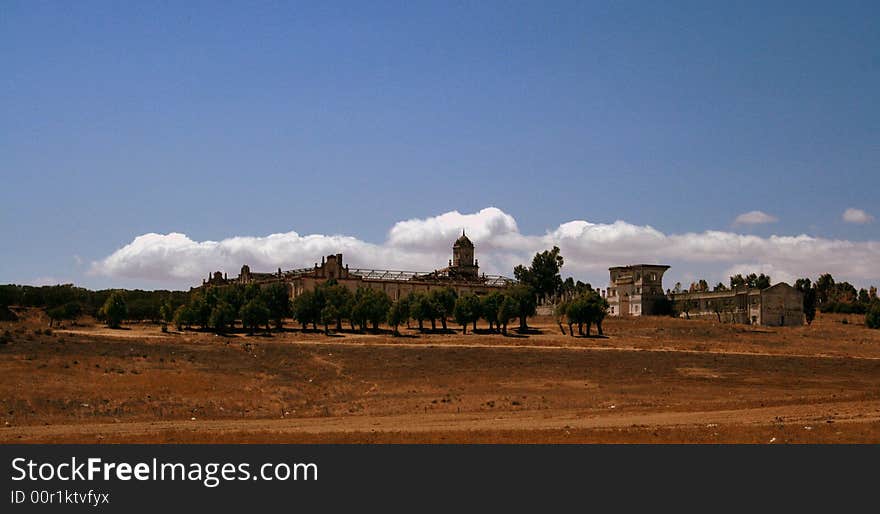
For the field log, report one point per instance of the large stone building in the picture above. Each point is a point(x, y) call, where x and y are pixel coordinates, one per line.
point(635, 290)
point(462, 274)
point(777, 305)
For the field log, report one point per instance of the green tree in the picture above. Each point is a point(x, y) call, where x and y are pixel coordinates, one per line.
point(466, 310)
point(527, 304)
point(421, 309)
point(762, 281)
point(405, 308)
point(584, 310)
point(398, 312)
point(444, 302)
point(234, 296)
point(114, 309)
point(166, 312)
point(254, 314)
point(507, 311)
point(543, 275)
point(307, 308)
point(370, 306)
point(824, 289)
point(809, 291)
point(328, 315)
point(183, 317)
point(340, 298)
point(360, 308)
point(68, 311)
point(380, 304)
point(576, 314)
point(251, 292)
point(276, 298)
point(699, 286)
point(560, 313)
point(872, 317)
point(597, 309)
point(221, 317)
point(737, 281)
point(489, 306)
point(201, 311)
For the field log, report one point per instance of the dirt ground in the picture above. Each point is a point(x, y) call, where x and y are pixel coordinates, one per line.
point(650, 380)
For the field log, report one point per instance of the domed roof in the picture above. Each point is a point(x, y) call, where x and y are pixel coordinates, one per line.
point(463, 241)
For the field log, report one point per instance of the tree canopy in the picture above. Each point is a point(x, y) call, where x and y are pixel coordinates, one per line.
point(114, 310)
point(543, 275)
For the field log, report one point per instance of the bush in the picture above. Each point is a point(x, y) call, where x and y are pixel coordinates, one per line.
point(872, 318)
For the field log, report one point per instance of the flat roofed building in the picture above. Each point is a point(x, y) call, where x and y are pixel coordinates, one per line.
point(636, 289)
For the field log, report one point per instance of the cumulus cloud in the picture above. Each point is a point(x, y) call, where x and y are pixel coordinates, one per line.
point(423, 244)
point(853, 215)
point(754, 218)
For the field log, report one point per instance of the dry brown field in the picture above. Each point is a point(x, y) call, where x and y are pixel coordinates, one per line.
point(650, 380)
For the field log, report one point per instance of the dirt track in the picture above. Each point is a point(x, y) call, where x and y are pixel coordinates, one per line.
point(651, 380)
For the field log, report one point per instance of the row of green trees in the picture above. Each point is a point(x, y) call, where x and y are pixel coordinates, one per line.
point(750, 281)
point(68, 302)
point(221, 308)
point(218, 308)
point(331, 304)
point(827, 295)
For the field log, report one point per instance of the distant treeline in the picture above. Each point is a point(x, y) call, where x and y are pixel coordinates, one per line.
point(68, 301)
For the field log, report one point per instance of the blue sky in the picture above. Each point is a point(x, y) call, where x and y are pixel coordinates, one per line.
point(222, 120)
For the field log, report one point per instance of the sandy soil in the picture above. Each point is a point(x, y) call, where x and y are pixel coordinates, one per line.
point(650, 380)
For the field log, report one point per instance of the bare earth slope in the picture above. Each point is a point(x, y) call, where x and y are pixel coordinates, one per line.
point(650, 380)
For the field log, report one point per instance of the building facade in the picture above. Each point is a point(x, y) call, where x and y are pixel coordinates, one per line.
point(635, 290)
point(462, 274)
point(777, 305)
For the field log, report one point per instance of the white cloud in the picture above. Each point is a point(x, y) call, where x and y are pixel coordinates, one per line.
point(490, 225)
point(853, 215)
point(425, 244)
point(754, 218)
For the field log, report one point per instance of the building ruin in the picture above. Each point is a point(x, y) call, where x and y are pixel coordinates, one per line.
point(637, 290)
point(779, 305)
